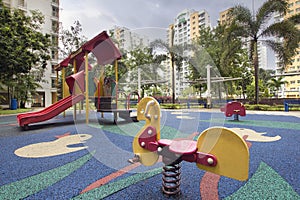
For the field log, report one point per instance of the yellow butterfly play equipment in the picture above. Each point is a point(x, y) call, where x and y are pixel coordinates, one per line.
point(217, 150)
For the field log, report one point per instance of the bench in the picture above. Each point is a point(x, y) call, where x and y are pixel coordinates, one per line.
point(195, 102)
point(291, 103)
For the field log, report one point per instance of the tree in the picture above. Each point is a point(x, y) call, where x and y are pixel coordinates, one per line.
point(276, 83)
point(245, 73)
point(25, 87)
point(259, 27)
point(148, 64)
point(71, 40)
point(251, 90)
point(24, 49)
point(220, 48)
point(175, 54)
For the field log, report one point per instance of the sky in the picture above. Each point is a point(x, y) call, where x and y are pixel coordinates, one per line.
point(147, 17)
point(96, 16)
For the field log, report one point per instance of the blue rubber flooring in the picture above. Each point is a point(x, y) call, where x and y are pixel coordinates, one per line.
point(274, 171)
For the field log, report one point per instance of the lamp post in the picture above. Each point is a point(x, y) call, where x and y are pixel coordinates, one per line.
point(208, 87)
point(172, 65)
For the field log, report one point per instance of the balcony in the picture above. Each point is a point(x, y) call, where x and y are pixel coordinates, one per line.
point(55, 3)
point(55, 12)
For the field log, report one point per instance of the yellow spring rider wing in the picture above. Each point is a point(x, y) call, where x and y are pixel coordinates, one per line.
point(230, 150)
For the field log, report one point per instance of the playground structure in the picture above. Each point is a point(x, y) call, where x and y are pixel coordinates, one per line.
point(217, 150)
point(82, 85)
point(234, 108)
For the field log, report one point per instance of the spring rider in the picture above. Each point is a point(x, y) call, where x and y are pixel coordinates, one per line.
point(217, 150)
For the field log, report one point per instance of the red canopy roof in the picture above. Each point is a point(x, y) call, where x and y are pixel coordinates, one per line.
point(101, 46)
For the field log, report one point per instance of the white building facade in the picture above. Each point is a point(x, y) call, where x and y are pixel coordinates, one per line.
point(47, 94)
point(128, 40)
point(263, 56)
point(183, 31)
point(291, 89)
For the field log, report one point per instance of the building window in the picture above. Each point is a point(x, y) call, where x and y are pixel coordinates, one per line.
point(54, 40)
point(21, 3)
point(293, 82)
point(53, 69)
point(54, 54)
point(55, 11)
point(55, 26)
point(53, 83)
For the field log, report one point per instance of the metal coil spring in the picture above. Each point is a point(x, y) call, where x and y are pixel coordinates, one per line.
point(171, 179)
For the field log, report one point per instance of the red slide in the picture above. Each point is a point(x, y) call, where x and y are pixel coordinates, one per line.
point(49, 112)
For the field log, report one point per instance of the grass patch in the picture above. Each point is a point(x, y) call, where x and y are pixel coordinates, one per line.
point(9, 112)
point(170, 106)
point(269, 108)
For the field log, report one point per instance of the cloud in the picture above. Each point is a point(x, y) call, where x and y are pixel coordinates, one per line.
point(98, 15)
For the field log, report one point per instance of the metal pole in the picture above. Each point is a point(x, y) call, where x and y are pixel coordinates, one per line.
point(74, 89)
point(63, 74)
point(172, 64)
point(139, 81)
point(173, 78)
point(208, 86)
point(56, 83)
point(86, 89)
point(116, 77)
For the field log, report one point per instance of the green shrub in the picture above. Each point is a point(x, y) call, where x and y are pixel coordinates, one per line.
point(8, 112)
point(264, 107)
point(170, 106)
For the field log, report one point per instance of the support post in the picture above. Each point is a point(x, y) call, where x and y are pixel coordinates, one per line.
point(75, 71)
point(63, 74)
point(86, 89)
point(116, 78)
point(139, 82)
point(208, 87)
point(56, 83)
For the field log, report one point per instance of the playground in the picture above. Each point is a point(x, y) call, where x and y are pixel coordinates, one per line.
point(109, 151)
point(96, 165)
point(86, 84)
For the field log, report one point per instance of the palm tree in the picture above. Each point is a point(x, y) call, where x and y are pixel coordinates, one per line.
point(276, 83)
point(176, 56)
point(282, 37)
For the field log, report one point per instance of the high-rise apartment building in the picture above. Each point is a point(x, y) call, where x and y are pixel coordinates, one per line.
point(50, 9)
point(292, 88)
point(184, 30)
point(186, 26)
point(225, 19)
point(128, 40)
point(262, 52)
